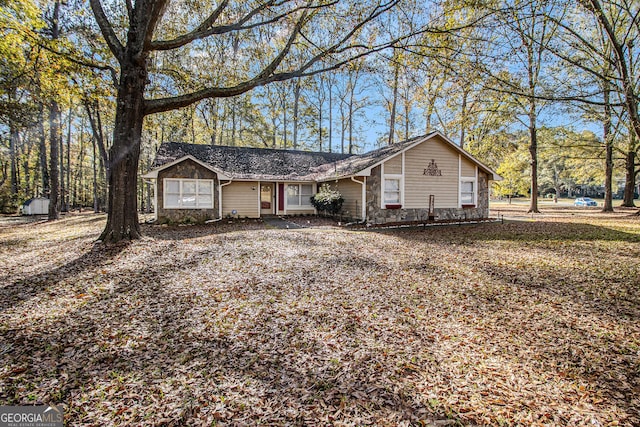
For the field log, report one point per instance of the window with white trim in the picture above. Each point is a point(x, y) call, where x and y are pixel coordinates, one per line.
point(299, 195)
point(392, 191)
point(467, 192)
point(188, 193)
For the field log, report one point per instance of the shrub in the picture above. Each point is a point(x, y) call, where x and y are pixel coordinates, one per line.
point(9, 203)
point(327, 200)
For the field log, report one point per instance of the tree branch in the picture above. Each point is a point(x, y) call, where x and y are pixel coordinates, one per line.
point(151, 18)
point(107, 30)
point(207, 27)
point(630, 99)
point(267, 75)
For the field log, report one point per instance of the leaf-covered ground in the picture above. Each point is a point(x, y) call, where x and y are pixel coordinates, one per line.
point(530, 322)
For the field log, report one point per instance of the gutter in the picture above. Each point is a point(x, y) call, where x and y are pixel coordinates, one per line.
point(155, 197)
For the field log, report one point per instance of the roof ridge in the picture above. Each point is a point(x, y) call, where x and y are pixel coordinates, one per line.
point(242, 147)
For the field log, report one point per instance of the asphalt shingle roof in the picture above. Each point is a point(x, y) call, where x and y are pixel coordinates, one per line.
point(282, 165)
point(249, 163)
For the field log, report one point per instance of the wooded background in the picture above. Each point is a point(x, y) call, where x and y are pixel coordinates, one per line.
point(544, 92)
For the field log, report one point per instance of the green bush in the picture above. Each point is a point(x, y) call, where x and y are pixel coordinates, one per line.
point(327, 200)
point(9, 203)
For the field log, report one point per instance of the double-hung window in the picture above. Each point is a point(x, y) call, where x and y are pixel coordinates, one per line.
point(188, 193)
point(467, 192)
point(299, 195)
point(392, 191)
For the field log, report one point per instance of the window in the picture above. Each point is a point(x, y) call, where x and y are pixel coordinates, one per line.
point(392, 191)
point(188, 194)
point(467, 193)
point(299, 195)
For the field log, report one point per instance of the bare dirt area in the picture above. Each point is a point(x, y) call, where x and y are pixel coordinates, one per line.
point(528, 322)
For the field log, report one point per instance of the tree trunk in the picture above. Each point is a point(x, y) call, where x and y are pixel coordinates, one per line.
point(214, 125)
point(353, 81)
point(96, 203)
point(394, 102)
point(556, 185)
point(630, 184)
point(284, 121)
point(296, 107)
point(54, 146)
point(343, 127)
point(98, 136)
point(608, 142)
point(13, 144)
point(463, 118)
point(407, 120)
point(274, 135)
point(55, 139)
point(81, 187)
point(533, 151)
point(233, 122)
point(27, 173)
point(42, 155)
point(320, 106)
point(122, 220)
point(62, 174)
point(330, 114)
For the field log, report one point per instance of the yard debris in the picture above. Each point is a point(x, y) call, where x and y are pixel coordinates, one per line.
point(522, 323)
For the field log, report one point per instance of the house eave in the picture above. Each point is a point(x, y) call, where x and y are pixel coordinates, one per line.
point(364, 173)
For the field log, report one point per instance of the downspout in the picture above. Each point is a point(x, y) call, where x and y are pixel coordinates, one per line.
point(155, 198)
point(364, 197)
point(220, 185)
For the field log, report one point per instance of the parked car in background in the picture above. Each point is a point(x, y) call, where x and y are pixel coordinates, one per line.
point(585, 201)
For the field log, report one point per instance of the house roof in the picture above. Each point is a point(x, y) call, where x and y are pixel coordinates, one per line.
point(245, 163)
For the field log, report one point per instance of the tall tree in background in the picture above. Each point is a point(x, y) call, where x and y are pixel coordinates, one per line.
point(19, 40)
point(599, 41)
point(55, 132)
point(619, 21)
point(528, 35)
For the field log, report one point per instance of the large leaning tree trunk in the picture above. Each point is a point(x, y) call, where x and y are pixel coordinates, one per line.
point(329, 52)
point(124, 155)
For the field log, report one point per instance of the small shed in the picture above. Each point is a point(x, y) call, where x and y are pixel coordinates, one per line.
point(36, 206)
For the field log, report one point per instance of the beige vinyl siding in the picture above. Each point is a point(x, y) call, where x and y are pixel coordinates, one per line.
point(352, 193)
point(418, 186)
point(242, 197)
point(393, 165)
point(468, 169)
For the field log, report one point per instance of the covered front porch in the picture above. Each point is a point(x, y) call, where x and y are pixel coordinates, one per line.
point(254, 199)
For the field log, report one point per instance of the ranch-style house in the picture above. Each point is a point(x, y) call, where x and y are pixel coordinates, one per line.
point(427, 177)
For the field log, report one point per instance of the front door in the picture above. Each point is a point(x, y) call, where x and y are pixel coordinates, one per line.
point(266, 199)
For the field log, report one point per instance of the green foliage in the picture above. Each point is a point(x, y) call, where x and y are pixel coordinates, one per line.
point(514, 171)
point(9, 203)
point(327, 200)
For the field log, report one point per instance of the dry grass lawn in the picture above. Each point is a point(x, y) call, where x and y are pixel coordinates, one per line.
point(530, 322)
